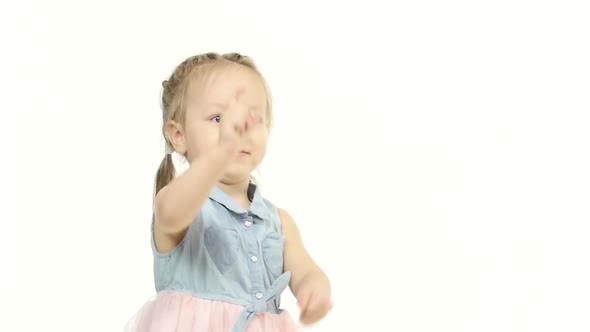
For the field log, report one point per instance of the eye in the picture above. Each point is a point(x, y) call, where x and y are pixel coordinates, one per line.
point(216, 118)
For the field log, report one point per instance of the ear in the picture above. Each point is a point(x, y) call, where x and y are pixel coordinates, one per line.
point(176, 137)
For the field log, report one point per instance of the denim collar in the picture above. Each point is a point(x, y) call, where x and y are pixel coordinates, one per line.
point(257, 207)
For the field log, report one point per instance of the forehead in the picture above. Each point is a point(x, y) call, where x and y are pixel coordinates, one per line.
point(220, 83)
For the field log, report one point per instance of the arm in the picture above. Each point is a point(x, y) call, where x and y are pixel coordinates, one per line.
point(178, 203)
point(309, 284)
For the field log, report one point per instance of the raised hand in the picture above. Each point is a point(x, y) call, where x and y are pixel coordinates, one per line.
point(235, 123)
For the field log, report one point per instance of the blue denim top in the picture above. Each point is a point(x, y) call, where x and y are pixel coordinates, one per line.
point(229, 254)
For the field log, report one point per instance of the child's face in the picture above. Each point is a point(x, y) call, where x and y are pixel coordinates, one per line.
point(205, 102)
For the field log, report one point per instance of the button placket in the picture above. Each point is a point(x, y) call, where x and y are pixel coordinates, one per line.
point(255, 266)
point(247, 222)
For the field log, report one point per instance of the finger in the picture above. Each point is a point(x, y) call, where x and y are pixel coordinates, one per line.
point(248, 123)
point(240, 116)
point(241, 121)
point(256, 117)
point(252, 119)
point(236, 100)
point(234, 121)
point(237, 96)
point(227, 125)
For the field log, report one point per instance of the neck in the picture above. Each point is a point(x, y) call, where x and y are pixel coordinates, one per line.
point(238, 191)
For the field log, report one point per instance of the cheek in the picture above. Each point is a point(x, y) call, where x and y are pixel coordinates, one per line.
point(261, 138)
point(201, 137)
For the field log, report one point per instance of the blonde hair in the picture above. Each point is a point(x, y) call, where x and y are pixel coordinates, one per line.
point(175, 89)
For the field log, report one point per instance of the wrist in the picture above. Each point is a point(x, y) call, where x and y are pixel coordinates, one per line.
point(311, 277)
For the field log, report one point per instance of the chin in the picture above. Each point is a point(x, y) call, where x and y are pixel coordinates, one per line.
point(237, 174)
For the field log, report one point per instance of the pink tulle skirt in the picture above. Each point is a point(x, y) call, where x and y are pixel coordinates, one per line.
point(181, 312)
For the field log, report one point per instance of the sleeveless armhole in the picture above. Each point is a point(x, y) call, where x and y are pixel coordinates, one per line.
point(169, 254)
point(275, 215)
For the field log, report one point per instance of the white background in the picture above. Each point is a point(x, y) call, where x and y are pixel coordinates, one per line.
point(435, 155)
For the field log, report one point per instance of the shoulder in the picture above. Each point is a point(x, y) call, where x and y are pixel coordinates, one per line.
point(283, 216)
point(271, 210)
point(288, 224)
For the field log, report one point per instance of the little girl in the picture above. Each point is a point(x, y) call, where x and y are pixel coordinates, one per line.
point(223, 254)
